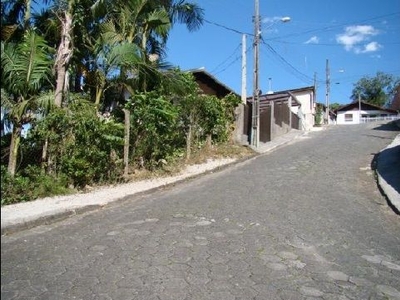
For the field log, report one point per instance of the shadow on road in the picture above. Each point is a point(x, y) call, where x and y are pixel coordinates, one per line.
point(391, 126)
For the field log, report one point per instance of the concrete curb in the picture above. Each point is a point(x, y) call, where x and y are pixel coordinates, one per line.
point(392, 196)
point(51, 217)
point(387, 166)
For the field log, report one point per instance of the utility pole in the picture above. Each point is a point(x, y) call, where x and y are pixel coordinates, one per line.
point(359, 108)
point(255, 134)
point(241, 136)
point(327, 91)
point(315, 87)
point(244, 70)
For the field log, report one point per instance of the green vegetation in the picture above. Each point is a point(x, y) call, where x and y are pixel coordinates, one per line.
point(319, 115)
point(89, 80)
point(334, 106)
point(378, 90)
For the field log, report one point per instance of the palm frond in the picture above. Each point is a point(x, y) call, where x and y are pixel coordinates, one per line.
point(189, 14)
point(26, 66)
point(124, 55)
point(19, 110)
point(45, 102)
point(159, 20)
point(6, 101)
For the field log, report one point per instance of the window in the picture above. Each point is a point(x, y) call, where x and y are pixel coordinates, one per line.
point(348, 117)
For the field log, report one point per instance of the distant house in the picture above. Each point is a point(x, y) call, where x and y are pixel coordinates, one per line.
point(282, 111)
point(211, 85)
point(306, 98)
point(395, 104)
point(362, 112)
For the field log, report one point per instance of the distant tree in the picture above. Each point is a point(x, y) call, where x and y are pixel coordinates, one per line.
point(378, 90)
point(334, 106)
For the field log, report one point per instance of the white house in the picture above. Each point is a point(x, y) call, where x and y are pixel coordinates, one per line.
point(307, 108)
point(362, 112)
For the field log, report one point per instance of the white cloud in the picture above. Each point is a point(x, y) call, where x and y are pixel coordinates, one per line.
point(355, 35)
point(372, 47)
point(312, 40)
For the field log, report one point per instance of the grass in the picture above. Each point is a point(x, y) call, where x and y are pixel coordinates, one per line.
point(38, 185)
point(198, 156)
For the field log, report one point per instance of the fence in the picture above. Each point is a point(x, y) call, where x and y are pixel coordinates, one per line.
point(276, 119)
point(376, 119)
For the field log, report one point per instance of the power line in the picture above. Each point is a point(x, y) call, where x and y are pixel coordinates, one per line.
point(224, 69)
point(329, 44)
point(331, 27)
point(230, 64)
point(238, 47)
point(288, 65)
point(304, 32)
point(227, 28)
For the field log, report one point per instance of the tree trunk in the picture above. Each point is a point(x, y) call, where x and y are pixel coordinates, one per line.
point(64, 54)
point(208, 141)
point(15, 141)
point(127, 115)
point(189, 137)
point(99, 93)
point(27, 16)
point(188, 142)
point(44, 153)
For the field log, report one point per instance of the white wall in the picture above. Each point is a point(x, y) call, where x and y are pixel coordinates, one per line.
point(356, 115)
point(307, 108)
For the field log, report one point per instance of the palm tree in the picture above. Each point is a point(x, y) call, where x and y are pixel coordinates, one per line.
point(130, 24)
point(26, 67)
point(147, 24)
point(74, 46)
point(15, 18)
point(64, 51)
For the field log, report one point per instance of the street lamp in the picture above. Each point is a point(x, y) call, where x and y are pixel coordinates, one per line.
point(255, 122)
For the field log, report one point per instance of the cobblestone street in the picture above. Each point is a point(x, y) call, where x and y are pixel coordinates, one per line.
point(306, 221)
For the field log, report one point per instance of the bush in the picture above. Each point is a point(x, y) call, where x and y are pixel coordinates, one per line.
point(81, 144)
point(29, 185)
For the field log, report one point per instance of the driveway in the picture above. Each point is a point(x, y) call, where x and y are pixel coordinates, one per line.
point(306, 221)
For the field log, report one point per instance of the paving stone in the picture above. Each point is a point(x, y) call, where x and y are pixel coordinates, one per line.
point(299, 223)
point(389, 291)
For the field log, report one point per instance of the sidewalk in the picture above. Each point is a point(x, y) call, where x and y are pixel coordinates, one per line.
point(388, 172)
point(26, 215)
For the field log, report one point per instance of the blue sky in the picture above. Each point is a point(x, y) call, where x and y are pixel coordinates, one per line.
point(357, 37)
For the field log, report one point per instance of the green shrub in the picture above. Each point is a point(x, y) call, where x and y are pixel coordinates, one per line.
point(81, 144)
point(29, 185)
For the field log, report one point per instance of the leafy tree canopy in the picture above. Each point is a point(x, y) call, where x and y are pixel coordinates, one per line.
point(334, 106)
point(377, 90)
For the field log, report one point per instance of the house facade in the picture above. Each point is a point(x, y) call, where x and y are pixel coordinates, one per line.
point(307, 106)
point(363, 112)
point(210, 85)
point(282, 111)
